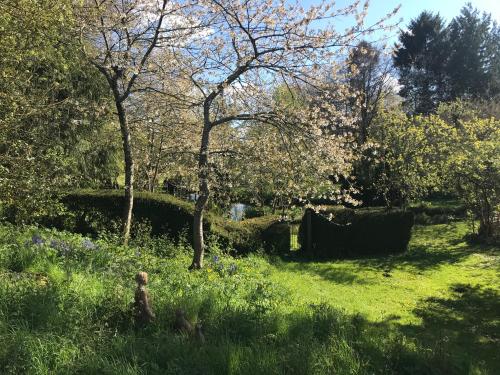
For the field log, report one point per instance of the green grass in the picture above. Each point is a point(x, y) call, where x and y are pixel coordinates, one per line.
point(65, 309)
point(441, 289)
point(383, 287)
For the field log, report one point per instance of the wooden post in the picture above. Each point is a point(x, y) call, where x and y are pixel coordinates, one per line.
point(309, 231)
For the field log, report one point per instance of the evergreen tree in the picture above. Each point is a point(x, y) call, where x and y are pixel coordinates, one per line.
point(473, 66)
point(419, 58)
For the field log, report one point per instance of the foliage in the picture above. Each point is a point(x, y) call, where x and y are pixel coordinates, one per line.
point(369, 75)
point(340, 233)
point(473, 171)
point(473, 44)
point(51, 105)
point(419, 58)
point(403, 161)
point(279, 166)
point(437, 212)
point(439, 64)
point(165, 137)
point(119, 38)
point(455, 151)
point(97, 212)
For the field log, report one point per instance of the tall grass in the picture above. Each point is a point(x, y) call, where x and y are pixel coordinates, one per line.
point(65, 308)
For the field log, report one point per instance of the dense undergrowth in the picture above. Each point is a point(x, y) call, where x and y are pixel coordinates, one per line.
point(65, 308)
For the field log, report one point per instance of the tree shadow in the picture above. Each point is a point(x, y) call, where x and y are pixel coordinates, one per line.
point(328, 270)
point(430, 248)
point(456, 334)
point(463, 328)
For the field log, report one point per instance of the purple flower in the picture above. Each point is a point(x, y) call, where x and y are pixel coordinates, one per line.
point(62, 247)
point(89, 245)
point(37, 239)
point(215, 258)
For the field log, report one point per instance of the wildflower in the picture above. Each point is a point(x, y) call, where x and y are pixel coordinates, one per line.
point(89, 245)
point(211, 274)
point(62, 247)
point(215, 258)
point(232, 269)
point(37, 239)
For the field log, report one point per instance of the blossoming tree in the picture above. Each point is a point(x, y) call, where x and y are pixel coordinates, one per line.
point(119, 39)
point(252, 47)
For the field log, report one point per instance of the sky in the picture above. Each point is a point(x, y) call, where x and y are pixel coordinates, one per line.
point(412, 8)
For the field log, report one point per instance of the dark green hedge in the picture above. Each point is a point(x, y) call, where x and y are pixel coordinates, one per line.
point(93, 211)
point(97, 210)
point(277, 237)
point(354, 233)
point(439, 214)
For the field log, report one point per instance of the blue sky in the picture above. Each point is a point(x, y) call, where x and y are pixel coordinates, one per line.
point(412, 8)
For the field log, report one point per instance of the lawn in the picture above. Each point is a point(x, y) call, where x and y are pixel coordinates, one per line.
point(392, 287)
point(65, 309)
point(441, 289)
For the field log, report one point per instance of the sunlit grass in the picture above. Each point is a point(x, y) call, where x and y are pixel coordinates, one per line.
point(392, 287)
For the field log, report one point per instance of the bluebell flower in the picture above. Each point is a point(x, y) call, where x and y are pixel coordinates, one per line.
point(89, 245)
point(215, 258)
point(62, 247)
point(37, 239)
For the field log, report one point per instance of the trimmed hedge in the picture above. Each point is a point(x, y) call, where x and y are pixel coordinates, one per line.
point(356, 232)
point(437, 214)
point(92, 211)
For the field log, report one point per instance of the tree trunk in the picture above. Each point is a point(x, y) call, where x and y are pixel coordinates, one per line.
point(485, 230)
point(149, 165)
point(363, 126)
point(198, 241)
point(157, 166)
point(129, 170)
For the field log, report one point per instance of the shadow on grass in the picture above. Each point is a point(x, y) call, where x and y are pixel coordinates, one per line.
point(327, 270)
point(434, 246)
point(456, 335)
point(461, 329)
point(430, 248)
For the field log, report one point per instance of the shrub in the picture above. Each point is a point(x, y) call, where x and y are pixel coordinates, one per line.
point(251, 212)
point(348, 232)
point(277, 237)
point(95, 212)
point(256, 233)
point(426, 214)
